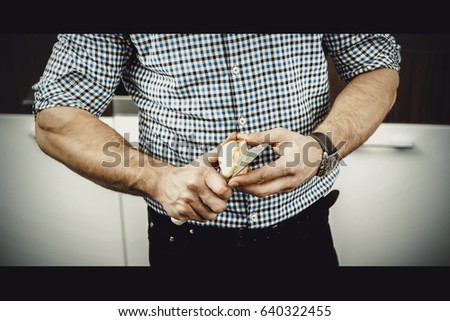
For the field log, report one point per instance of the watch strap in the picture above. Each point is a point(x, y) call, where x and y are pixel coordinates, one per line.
point(329, 153)
point(325, 142)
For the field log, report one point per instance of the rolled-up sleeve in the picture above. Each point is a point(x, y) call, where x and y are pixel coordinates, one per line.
point(353, 54)
point(83, 71)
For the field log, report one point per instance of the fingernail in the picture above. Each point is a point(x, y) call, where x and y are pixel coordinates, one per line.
point(234, 184)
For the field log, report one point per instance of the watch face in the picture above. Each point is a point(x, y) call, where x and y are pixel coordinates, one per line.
point(331, 163)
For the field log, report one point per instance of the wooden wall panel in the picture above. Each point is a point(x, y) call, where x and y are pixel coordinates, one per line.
point(424, 90)
point(423, 95)
point(22, 60)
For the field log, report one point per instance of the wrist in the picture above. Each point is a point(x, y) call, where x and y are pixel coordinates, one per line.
point(148, 174)
point(314, 154)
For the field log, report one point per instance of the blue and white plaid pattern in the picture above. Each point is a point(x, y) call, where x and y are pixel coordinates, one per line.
point(193, 90)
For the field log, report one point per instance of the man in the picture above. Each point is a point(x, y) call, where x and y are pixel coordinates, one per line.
point(197, 91)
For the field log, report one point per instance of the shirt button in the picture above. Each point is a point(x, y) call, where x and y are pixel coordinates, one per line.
point(242, 120)
point(235, 70)
point(253, 217)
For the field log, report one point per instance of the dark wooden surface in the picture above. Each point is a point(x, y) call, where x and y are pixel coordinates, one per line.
point(423, 95)
point(424, 90)
point(22, 60)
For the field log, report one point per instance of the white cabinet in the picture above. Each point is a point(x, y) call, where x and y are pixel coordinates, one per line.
point(48, 214)
point(134, 208)
point(394, 207)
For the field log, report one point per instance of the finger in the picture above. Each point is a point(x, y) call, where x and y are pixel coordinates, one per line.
point(269, 137)
point(184, 212)
point(213, 156)
point(280, 185)
point(215, 204)
point(261, 175)
point(232, 136)
point(202, 211)
point(218, 185)
point(256, 138)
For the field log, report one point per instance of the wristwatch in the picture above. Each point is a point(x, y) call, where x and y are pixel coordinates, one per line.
point(330, 156)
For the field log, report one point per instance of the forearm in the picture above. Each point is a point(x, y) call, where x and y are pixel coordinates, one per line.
point(360, 108)
point(85, 144)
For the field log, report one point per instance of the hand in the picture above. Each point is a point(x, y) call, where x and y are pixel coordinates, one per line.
point(195, 191)
point(299, 161)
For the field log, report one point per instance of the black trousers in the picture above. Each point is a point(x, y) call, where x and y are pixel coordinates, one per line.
point(304, 241)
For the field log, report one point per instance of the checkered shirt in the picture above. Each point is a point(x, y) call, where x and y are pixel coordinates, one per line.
point(193, 90)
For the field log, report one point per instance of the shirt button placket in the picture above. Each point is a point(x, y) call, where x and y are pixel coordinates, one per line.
point(235, 70)
point(242, 120)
